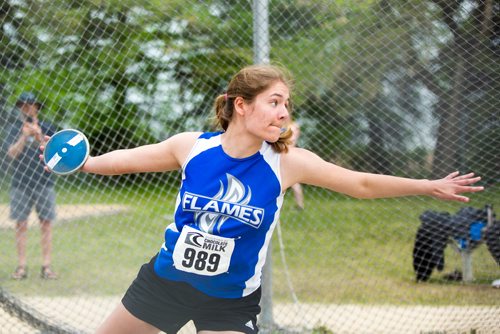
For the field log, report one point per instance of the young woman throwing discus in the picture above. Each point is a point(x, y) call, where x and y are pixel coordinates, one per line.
point(208, 268)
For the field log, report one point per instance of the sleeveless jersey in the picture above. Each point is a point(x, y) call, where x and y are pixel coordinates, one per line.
point(226, 211)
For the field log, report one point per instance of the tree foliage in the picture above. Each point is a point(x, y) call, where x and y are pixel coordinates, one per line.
point(133, 72)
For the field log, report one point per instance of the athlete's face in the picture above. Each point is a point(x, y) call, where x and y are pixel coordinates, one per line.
point(268, 113)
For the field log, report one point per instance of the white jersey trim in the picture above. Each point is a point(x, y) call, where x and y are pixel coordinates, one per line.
point(273, 159)
point(201, 145)
point(172, 227)
point(254, 282)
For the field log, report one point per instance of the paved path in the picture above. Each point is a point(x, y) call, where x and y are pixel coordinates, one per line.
point(85, 313)
point(65, 213)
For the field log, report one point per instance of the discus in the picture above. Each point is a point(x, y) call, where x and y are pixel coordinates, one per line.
point(66, 151)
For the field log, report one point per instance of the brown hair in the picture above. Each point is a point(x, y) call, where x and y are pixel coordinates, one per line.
point(248, 83)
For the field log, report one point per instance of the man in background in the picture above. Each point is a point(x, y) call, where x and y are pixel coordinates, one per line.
point(31, 185)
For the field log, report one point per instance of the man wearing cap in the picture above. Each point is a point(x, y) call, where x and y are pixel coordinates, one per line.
point(31, 185)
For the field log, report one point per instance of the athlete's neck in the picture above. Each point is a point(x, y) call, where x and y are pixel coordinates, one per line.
point(239, 145)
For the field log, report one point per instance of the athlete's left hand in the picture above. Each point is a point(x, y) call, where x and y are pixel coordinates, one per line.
point(451, 186)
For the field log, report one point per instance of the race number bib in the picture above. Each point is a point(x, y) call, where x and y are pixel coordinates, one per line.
point(202, 253)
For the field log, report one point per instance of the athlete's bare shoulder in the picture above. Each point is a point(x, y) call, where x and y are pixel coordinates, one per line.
point(189, 137)
point(181, 144)
point(292, 165)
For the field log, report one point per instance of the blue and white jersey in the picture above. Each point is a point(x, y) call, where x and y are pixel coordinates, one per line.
point(226, 211)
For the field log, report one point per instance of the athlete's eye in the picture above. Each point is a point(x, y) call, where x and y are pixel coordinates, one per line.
point(274, 103)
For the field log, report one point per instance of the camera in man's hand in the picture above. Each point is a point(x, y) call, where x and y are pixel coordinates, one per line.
point(31, 122)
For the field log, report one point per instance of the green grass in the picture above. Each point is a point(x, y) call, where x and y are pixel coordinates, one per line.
point(96, 255)
point(338, 250)
point(342, 250)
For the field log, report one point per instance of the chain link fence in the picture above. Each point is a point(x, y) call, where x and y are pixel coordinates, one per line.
point(405, 88)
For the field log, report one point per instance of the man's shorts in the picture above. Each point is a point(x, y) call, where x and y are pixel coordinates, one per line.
point(23, 200)
point(169, 305)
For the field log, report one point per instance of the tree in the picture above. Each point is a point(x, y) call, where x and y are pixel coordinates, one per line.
point(364, 93)
point(462, 63)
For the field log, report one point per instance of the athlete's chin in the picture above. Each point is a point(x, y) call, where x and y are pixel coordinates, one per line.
point(271, 135)
point(272, 138)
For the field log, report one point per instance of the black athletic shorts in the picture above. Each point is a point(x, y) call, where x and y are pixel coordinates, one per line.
point(169, 305)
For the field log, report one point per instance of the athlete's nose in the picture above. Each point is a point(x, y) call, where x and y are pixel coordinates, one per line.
point(283, 113)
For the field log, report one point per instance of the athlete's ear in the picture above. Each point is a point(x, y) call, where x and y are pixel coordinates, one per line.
point(239, 105)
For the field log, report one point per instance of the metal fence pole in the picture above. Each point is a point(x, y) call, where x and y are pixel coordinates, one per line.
point(261, 45)
point(261, 50)
point(266, 320)
point(467, 274)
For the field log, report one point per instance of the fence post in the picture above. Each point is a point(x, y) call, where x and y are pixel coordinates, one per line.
point(261, 52)
point(261, 46)
point(266, 319)
point(467, 275)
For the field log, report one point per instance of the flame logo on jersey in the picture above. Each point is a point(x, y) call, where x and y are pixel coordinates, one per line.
point(212, 212)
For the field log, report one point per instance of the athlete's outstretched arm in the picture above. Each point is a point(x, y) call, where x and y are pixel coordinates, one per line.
point(164, 156)
point(303, 166)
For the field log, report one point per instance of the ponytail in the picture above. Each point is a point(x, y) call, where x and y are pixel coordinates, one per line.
point(223, 114)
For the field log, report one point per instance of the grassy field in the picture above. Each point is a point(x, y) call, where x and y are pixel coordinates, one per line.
point(361, 252)
point(338, 250)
